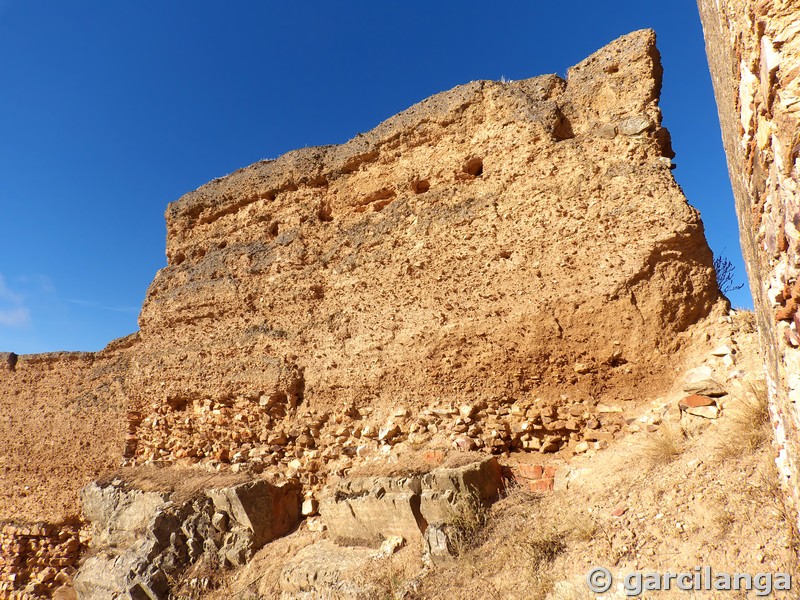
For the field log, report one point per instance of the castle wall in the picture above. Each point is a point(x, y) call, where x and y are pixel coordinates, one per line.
point(753, 51)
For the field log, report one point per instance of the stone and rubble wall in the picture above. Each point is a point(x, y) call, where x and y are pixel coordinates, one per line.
point(486, 246)
point(310, 445)
point(448, 255)
point(37, 559)
point(753, 49)
point(61, 425)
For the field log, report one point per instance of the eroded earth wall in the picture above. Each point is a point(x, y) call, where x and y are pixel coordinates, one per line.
point(753, 50)
point(493, 240)
point(494, 237)
point(62, 422)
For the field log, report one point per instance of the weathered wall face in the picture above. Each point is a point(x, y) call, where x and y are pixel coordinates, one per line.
point(492, 241)
point(753, 50)
point(63, 420)
point(515, 224)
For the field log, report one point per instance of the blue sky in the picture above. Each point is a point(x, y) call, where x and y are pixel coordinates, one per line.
point(110, 110)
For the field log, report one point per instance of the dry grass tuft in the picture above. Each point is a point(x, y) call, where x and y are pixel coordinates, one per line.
point(719, 519)
point(465, 524)
point(744, 321)
point(202, 579)
point(580, 527)
point(507, 552)
point(389, 579)
point(745, 427)
point(568, 591)
point(526, 540)
point(663, 447)
point(542, 546)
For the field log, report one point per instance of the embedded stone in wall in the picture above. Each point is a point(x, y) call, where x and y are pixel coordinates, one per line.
point(8, 360)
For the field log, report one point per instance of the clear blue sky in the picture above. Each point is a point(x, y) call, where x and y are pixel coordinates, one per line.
point(110, 110)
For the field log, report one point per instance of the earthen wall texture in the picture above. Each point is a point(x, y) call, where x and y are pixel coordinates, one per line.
point(753, 49)
point(62, 423)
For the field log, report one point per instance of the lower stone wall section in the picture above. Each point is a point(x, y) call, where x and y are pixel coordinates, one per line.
point(37, 559)
point(267, 435)
point(536, 478)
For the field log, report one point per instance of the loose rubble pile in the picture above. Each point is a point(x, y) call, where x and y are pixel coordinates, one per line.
point(37, 559)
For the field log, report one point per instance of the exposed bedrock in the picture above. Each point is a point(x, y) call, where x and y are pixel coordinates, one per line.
point(366, 511)
point(142, 540)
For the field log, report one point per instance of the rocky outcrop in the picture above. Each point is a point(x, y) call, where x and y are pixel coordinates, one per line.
point(368, 510)
point(753, 50)
point(425, 509)
point(325, 570)
point(142, 541)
